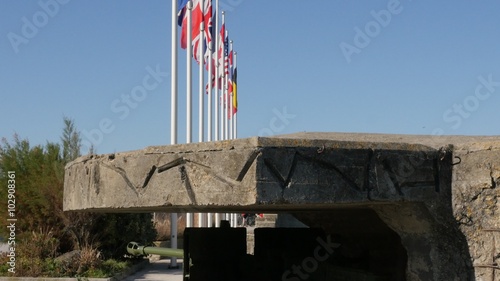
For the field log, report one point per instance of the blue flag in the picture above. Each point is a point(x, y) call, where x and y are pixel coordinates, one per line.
point(180, 16)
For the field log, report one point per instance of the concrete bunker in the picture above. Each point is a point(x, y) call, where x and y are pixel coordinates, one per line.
point(432, 199)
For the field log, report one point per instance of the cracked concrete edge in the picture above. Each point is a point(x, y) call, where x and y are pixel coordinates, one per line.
point(388, 141)
point(136, 173)
point(177, 149)
point(320, 139)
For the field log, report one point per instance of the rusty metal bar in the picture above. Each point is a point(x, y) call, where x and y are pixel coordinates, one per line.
point(494, 266)
point(491, 229)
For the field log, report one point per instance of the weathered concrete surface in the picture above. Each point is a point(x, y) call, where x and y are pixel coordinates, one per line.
point(439, 195)
point(294, 171)
point(476, 205)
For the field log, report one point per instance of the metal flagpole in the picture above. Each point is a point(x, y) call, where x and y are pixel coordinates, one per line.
point(230, 97)
point(201, 104)
point(224, 91)
point(235, 98)
point(209, 103)
point(226, 131)
point(235, 124)
point(229, 110)
point(189, 90)
point(189, 73)
point(221, 74)
point(216, 89)
point(173, 118)
point(209, 92)
point(216, 75)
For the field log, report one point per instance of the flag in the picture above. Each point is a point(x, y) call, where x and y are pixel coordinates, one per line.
point(219, 58)
point(204, 12)
point(235, 91)
point(182, 11)
point(231, 85)
point(226, 54)
point(196, 19)
point(208, 18)
point(221, 51)
point(201, 13)
point(230, 73)
point(197, 43)
point(211, 74)
point(210, 53)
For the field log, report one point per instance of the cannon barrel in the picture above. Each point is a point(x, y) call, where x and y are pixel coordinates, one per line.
point(135, 249)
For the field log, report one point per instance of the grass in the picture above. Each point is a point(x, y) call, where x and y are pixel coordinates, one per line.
point(51, 268)
point(108, 268)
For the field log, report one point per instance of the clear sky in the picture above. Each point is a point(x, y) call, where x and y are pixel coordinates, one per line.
point(385, 66)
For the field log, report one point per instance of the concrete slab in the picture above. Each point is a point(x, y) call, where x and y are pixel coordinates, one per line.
point(291, 172)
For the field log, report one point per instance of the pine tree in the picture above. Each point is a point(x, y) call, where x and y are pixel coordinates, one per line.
point(71, 141)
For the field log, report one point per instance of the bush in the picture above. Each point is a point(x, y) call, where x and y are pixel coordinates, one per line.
point(32, 249)
point(43, 229)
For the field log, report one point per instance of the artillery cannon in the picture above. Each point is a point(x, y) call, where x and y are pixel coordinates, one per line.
point(208, 254)
point(135, 249)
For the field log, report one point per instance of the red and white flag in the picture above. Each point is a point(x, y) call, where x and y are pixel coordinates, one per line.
point(201, 13)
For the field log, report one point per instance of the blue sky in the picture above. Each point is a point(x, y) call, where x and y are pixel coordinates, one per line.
point(399, 67)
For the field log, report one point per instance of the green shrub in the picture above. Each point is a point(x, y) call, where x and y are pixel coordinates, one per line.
point(43, 229)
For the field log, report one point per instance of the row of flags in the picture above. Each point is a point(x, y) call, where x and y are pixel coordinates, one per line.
point(213, 51)
point(223, 64)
